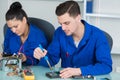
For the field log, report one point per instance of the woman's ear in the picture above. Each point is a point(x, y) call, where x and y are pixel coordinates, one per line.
point(24, 20)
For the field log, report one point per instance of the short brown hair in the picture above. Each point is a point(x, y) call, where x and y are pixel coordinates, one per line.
point(70, 7)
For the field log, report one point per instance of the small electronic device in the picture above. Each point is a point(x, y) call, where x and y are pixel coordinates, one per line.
point(104, 79)
point(9, 60)
point(53, 74)
point(83, 77)
point(6, 55)
point(28, 75)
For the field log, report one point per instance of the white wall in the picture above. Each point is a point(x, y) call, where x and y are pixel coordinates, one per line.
point(45, 9)
point(110, 25)
point(3, 9)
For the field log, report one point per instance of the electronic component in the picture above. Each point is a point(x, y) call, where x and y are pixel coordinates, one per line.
point(8, 62)
point(53, 74)
point(28, 75)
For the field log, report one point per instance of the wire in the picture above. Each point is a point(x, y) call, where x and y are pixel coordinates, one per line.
point(22, 49)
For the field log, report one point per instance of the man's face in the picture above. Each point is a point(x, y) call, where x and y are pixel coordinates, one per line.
point(68, 23)
point(17, 26)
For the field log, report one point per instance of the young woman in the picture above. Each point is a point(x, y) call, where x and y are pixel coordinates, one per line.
point(22, 37)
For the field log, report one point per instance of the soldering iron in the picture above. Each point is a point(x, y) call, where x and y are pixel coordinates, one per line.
point(45, 57)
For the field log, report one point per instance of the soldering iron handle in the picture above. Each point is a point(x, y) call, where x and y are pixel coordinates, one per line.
point(40, 46)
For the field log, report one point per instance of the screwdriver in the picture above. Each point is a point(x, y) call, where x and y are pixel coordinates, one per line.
point(45, 57)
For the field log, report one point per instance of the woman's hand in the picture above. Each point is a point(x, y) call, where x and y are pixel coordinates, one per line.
point(38, 53)
point(0, 55)
point(23, 57)
point(69, 72)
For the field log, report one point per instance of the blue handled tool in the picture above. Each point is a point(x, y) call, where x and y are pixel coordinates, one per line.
point(45, 57)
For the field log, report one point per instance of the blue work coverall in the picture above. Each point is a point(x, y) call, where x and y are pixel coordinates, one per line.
point(12, 43)
point(92, 55)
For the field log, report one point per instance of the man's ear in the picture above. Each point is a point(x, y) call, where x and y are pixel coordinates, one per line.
point(78, 18)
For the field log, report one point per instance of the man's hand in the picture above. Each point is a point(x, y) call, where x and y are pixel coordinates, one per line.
point(69, 72)
point(38, 53)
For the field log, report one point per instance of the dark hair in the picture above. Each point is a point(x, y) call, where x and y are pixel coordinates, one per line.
point(70, 7)
point(15, 11)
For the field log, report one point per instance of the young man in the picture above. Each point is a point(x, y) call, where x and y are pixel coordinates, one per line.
point(83, 48)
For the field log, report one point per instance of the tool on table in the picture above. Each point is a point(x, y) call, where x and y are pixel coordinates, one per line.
point(45, 57)
point(83, 77)
point(28, 74)
point(54, 74)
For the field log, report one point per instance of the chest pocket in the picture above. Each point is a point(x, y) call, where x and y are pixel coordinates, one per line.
point(67, 56)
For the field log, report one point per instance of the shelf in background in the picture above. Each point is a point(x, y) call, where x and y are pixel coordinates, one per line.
point(79, 0)
point(115, 50)
point(64, 0)
point(103, 15)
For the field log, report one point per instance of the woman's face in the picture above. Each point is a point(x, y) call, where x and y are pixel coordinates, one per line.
point(17, 26)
